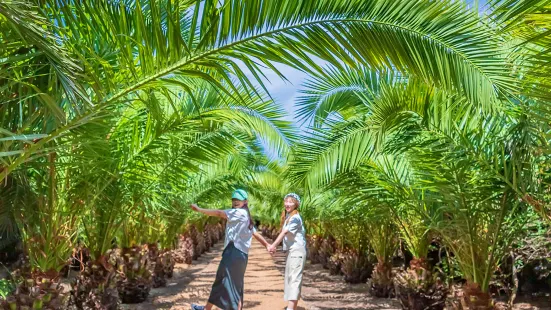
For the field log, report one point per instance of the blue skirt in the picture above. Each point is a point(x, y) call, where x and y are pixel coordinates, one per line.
point(227, 289)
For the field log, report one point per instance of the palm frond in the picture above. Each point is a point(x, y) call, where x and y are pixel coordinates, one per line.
point(134, 55)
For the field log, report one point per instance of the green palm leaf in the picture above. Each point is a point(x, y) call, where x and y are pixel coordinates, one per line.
point(414, 37)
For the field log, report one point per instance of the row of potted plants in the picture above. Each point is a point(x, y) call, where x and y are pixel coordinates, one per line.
point(122, 275)
point(417, 287)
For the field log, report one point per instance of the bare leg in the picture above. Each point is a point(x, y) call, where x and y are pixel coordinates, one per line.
point(292, 304)
point(208, 306)
point(240, 306)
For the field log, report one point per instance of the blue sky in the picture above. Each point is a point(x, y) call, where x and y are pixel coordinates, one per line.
point(285, 92)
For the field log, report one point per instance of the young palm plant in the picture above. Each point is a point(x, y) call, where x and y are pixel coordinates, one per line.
point(46, 197)
point(390, 182)
point(384, 243)
point(370, 114)
point(485, 177)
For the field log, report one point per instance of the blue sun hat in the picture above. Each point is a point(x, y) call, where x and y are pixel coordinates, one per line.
point(240, 194)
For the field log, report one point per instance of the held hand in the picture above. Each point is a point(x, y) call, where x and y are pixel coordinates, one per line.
point(194, 207)
point(271, 248)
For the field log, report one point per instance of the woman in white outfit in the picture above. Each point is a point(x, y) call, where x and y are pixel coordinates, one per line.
point(294, 242)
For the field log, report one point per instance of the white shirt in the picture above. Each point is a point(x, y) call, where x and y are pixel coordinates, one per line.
point(237, 229)
point(294, 239)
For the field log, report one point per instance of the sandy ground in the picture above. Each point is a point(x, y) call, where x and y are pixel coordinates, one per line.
point(192, 283)
point(264, 286)
point(321, 291)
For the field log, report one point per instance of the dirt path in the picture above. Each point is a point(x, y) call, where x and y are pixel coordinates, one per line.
point(192, 283)
point(264, 286)
point(322, 291)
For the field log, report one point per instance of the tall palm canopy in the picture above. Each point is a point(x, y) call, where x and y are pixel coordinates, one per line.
point(71, 62)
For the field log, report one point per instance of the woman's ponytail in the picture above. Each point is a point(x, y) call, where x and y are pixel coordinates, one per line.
point(246, 207)
point(283, 218)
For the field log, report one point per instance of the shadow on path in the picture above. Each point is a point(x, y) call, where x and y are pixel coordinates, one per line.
point(321, 291)
point(264, 286)
point(192, 283)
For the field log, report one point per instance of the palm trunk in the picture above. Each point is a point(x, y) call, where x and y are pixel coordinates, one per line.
point(314, 244)
point(418, 288)
point(356, 267)
point(166, 259)
point(327, 249)
point(135, 281)
point(161, 265)
point(38, 291)
point(95, 288)
point(475, 299)
point(335, 262)
point(155, 266)
point(514, 275)
point(184, 252)
point(380, 284)
point(198, 242)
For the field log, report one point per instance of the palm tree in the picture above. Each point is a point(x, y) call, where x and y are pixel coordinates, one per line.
point(45, 206)
point(149, 159)
point(363, 115)
point(390, 185)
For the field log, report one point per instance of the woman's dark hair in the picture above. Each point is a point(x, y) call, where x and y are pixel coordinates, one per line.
point(246, 207)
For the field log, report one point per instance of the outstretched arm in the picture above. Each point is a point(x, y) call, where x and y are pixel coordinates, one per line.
point(218, 213)
point(277, 241)
point(261, 239)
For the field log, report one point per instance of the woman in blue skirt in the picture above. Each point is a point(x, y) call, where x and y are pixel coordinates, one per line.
point(227, 289)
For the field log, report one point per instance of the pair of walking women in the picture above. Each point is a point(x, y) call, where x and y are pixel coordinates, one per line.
point(228, 287)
